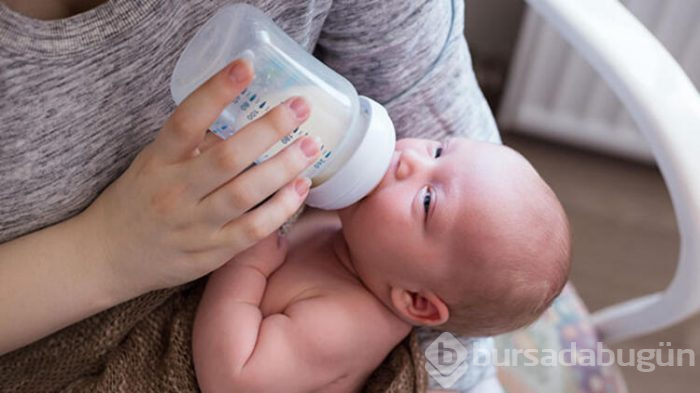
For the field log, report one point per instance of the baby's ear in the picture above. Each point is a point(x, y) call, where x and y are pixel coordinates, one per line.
point(423, 308)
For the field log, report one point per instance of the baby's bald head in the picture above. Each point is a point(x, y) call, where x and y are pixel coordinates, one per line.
point(517, 259)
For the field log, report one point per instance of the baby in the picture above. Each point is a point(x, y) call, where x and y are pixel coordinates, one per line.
point(462, 236)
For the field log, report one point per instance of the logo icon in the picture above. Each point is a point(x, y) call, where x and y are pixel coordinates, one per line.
point(446, 360)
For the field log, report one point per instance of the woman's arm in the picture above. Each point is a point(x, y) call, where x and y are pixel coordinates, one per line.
point(52, 278)
point(161, 223)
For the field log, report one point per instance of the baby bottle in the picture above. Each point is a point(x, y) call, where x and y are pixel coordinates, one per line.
point(356, 133)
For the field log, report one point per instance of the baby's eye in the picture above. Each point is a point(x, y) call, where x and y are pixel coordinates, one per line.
point(438, 152)
point(427, 198)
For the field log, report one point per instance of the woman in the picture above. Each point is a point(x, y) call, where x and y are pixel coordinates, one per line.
point(95, 158)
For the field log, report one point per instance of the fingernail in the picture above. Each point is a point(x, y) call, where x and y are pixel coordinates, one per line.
point(299, 107)
point(311, 146)
point(302, 186)
point(238, 72)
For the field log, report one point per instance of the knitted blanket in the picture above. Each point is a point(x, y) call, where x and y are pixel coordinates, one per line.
point(144, 345)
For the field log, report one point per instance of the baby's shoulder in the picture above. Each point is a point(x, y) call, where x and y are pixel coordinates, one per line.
point(350, 317)
point(341, 293)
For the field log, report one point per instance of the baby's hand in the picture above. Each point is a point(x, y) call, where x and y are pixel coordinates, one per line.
point(265, 256)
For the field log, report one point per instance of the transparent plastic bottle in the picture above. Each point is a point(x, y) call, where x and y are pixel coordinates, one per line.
point(356, 133)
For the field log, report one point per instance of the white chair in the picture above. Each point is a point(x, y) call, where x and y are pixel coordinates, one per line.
point(666, 107)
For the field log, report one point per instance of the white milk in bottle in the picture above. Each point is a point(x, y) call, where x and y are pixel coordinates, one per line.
point(356, 133)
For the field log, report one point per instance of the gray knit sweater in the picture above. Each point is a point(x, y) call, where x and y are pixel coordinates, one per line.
point(80, 97)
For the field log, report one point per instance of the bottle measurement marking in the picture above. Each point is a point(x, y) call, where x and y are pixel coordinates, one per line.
point(250, 105)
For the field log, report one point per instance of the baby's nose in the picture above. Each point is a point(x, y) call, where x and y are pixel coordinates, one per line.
point(409, 162)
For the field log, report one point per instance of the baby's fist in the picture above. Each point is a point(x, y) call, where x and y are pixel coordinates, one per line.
point(266, 255)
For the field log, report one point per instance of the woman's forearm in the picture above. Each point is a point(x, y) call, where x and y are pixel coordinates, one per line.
point(52, 278)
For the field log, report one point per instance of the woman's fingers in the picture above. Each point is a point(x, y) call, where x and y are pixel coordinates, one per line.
point(254, 185)
point(266, 218)
point(225, 160)
point(185, 129)
point(210, 139)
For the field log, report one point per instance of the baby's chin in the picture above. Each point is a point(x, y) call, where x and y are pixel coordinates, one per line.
point(347, 212)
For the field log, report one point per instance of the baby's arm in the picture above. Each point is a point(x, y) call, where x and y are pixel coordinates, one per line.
point(229, 319)
point(312, 343)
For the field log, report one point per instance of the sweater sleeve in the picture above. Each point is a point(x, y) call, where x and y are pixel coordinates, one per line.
point(412, 57)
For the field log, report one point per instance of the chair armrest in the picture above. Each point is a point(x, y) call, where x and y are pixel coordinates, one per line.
point(666, 107)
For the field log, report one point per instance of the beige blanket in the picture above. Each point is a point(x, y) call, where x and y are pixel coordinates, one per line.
point(144, 346)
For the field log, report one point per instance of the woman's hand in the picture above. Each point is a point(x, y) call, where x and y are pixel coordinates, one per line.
point(183, 207)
